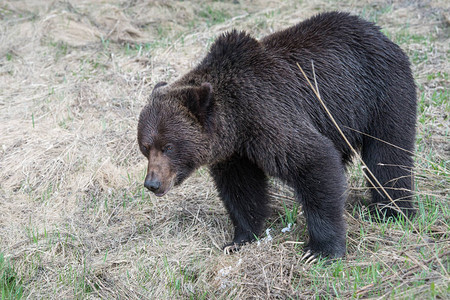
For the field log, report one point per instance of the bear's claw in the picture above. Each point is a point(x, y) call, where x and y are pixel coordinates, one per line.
point(310, 257)
point(231, 248)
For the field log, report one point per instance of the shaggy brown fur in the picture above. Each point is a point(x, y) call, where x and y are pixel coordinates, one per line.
point(247, 112)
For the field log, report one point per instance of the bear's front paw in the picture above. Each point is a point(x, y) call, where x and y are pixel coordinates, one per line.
point(309, 257)
point(329, 251)
point(240, 239)
point(231, 248)
point(235, 246)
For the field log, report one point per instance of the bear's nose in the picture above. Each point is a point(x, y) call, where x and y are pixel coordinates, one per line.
point(152, 184)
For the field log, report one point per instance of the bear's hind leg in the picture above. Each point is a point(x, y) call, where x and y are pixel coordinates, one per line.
point(393, 169)
point(242, 187)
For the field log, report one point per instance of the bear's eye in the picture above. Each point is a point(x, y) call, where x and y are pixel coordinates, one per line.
point(145, 150)
point(167, 148)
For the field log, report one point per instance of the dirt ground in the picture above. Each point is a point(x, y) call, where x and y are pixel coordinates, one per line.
point(75, 220)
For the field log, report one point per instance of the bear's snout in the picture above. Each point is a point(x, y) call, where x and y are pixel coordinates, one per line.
point(155, 185)
point(152, 184)
point(160, 175)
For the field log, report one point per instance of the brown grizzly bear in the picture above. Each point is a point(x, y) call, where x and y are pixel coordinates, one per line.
point(247, 112)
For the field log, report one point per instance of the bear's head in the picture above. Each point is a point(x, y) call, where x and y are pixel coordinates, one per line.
point(173, 133)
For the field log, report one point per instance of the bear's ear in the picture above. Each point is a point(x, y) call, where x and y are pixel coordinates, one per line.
point(199, 101)
point(158, 85)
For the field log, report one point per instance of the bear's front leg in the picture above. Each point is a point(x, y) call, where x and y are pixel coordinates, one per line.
point(242, 187)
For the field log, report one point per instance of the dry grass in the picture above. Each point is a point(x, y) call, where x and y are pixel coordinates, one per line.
point(75, 221)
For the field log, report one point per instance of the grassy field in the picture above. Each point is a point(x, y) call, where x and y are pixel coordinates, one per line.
point(75, 219)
